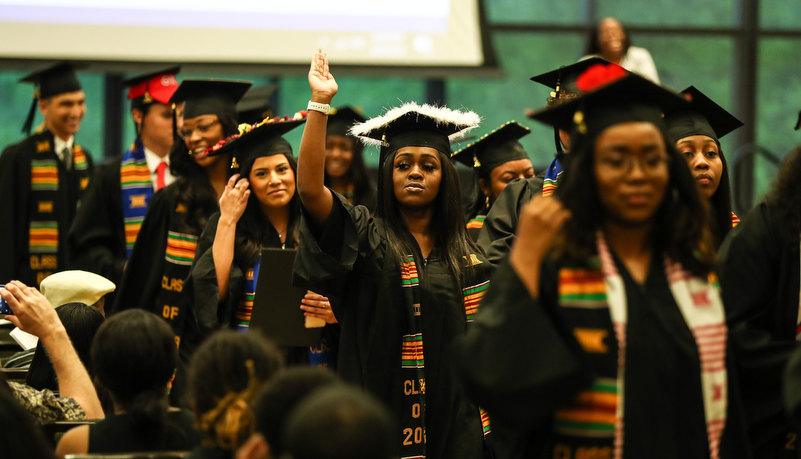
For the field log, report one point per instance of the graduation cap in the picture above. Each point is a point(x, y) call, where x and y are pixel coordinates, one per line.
point(562, 80)
point(258, 140)
point(495, 148)
point(210, 96)
point(702, 117)
point(612, 96)
point(340, 120)
point(563, 83)
point(51, 81)
point(154, 87)
point(256, 105)
point(413, 125)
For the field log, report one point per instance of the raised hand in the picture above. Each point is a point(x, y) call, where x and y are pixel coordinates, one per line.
point(234, 199)
point(32, 312)
point(539, 223)
point(322, 83)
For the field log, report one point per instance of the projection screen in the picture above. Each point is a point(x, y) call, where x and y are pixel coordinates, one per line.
point(440, 33)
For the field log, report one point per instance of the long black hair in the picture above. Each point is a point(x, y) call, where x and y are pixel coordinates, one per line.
point(785, 195)
point(359, 175)
point(192, 186)
point(254, 227)
point(680, 230)
point(81, 323)
point(720, 203)
point(476, 201)
point(134, 358)
point(594, 45)
point(448, 225)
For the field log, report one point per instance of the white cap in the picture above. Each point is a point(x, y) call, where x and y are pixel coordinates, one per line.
point(75, 287)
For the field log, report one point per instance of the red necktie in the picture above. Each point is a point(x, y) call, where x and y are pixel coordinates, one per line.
point(160, 175)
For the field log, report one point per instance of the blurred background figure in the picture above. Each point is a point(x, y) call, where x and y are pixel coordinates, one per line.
point(611, 41)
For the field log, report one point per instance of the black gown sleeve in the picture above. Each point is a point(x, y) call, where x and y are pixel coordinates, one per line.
point(326, 256)
point(15, 200)
point(96, 241)
point(761, 325)
point(498, 233)
point(516, 360)
point(141, 280)
point(206, 314)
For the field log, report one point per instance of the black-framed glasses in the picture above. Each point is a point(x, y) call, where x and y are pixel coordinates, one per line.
point(202, 128)
point(620, 165)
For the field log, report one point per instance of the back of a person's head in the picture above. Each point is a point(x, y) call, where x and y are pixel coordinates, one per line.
point(20, 437)
point(282, 395)
point(134, 357)
point(227, 370)
point(340, 422)
point(81, 323)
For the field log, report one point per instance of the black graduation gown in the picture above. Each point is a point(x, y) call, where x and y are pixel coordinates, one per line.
point(759, 281)
point(521, 362)
point(346, 262)
point(205, 314)
point(15, 191)
point(96, 241)
point(498, 232)
point(151, 281)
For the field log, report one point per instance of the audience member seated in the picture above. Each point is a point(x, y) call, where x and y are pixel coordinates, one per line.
point(34, 314)
point(134, 358)
point(273, 406)
point(227, 370)
point(19, 436)
point(340, 423)
point(81, 323)
point(77, 287)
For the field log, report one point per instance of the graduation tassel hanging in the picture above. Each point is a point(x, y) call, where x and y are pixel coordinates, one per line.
point(26, 128)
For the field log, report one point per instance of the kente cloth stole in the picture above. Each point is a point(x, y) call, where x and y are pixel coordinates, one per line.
point(477, 222)
point(43, 230)
point(350, 193)
point(734, 220)
point(178, 260)
point(319, 356)
point(413, 428)
point(595, 295)
point(552, 176)
point(136, 191)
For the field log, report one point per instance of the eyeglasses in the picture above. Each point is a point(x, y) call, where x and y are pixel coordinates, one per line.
point(201, 128)
point(621, 165)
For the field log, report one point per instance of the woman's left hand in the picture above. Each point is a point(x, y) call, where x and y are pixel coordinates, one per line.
point(318, 306)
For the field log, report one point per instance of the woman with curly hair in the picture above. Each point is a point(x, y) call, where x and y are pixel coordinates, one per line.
point(759, 280)
point(605, 316)
point(227, 371)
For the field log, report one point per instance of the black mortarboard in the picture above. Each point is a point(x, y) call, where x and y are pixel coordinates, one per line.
point(702, 117)
point(495, 148)
point(340, 120)
point(148, 88)
point(563, 83)
point(210, 97)
point(413, 125)
point(51, 81)
point(258, 140)
point(563, 79)
point(612, 96)
point(256, 104)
